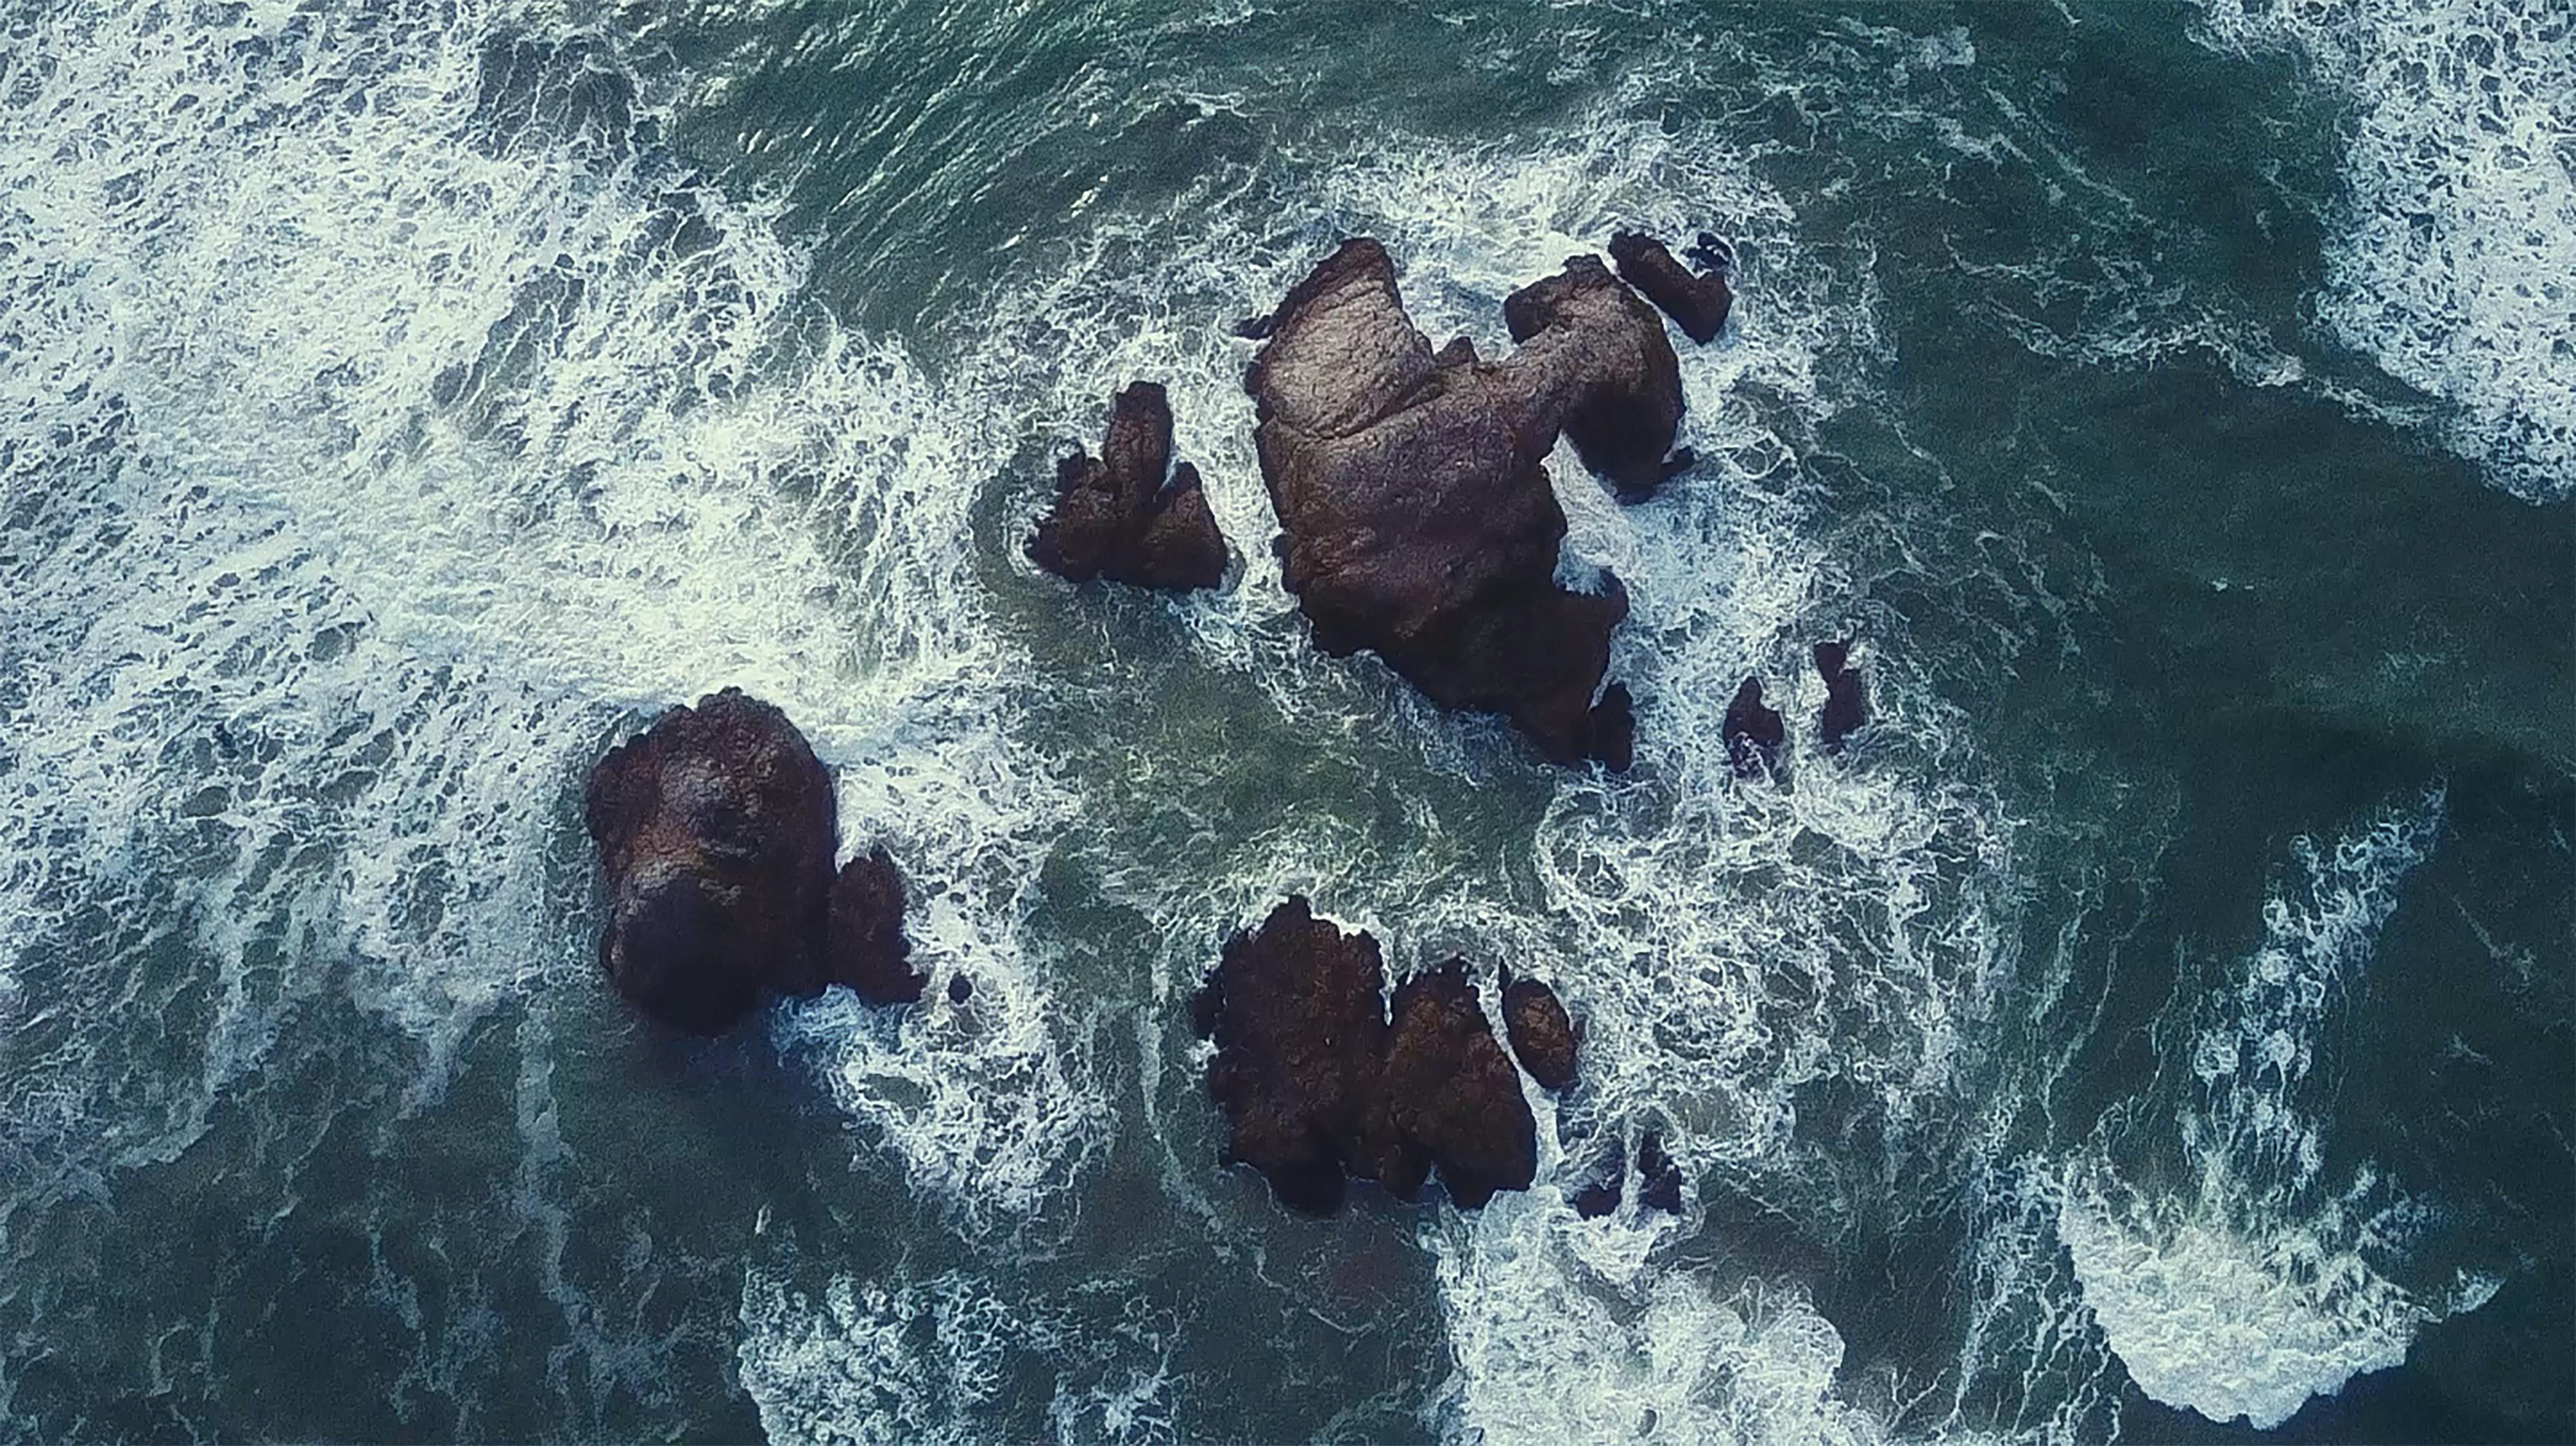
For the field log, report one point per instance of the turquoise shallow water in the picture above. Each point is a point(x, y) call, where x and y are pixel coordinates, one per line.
point(2155, 1029)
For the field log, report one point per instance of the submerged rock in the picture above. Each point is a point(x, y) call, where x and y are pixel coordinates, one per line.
point(1846, 701)
point(1316, 1086)
point(1697, 302)
point(1659, 1180)
point(1416, 518)
point(715, 834)
point(1541, 1034)
point(1754, 733)
point(1118, 517)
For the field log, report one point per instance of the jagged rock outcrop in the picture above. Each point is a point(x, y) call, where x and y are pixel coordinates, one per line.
point(1754, 733)
point(1541, 1033)
point(1599, 360)
point(1130, 516)
point(1298, 1012)
point(1415, 516)
point(1696, 301)
point(1846, 701)
point(715, 834)
point(1317, 1087)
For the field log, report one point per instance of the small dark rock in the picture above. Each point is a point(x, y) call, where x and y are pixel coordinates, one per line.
point(1606, 1183)
point(1541, 1034)
point(1712, 253)
point(1613, 729)
point(1697, 303)
point(1659, 1179)
point(960, 988)
point(1754, 733)
point(1119, 518)
point(1846, 701)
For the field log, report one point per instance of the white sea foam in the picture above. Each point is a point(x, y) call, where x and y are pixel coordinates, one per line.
point(1549, 1351)
point(939, 1361)
point(2453, 260)
point(365, 457)
point(2268, 1280)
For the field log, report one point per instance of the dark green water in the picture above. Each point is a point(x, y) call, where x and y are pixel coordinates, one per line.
point(2156, 1028)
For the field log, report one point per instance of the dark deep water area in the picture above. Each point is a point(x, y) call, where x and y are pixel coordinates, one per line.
point(2156, 1026)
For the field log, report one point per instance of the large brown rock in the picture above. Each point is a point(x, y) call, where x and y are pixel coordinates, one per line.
point(1130, 516)
point(1416, 518)
point(1316, 1087)
point(1298, 1013)
point(715, 834)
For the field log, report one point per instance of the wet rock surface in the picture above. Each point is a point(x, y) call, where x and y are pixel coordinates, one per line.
point(1696, 301)
point(1416, 519)
point(1129, 515)
point(715, 834)
point(1541, 1033)
point(1317, 1086)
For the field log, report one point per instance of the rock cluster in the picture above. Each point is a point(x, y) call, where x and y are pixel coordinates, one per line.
point(1415, 514)
point(715, 834)
point(1317, 1085)
point(1129, 515)
point(1659, 1180)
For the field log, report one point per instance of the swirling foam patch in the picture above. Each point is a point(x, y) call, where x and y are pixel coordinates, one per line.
point(2457, 245)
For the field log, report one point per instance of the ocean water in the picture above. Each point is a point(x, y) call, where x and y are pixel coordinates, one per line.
point(2155, 1027)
